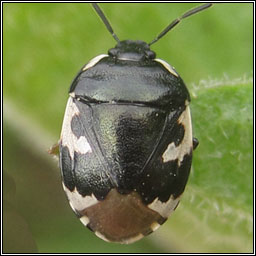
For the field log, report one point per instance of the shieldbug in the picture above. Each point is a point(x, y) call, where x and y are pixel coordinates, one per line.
point(126, 141)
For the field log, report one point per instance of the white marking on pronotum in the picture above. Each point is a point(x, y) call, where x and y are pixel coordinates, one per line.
point(94, 61)
point(164, 208)
point(85, 220)
point(68, 138)
point(77, 201)
point(172, 152)
point(167, 66)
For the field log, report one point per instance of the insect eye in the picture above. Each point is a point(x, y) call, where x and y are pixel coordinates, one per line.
point(113, 52)
point(150, 54)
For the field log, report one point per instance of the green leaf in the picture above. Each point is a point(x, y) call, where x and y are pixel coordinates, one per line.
point(215, 214)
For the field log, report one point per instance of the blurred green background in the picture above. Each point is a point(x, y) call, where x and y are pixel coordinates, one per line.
point(44, 46)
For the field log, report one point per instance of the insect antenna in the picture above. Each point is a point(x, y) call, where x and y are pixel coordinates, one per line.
point(105, 21)
point(177, 21)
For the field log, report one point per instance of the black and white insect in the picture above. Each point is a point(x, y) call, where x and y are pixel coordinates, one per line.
point(126, 141)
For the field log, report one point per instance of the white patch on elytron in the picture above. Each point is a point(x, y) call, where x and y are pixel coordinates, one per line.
point(85, 220)
point(77, 201)
point(132, 239)
point(154, 226)
point(166, 208)
point(82, 146)
point(68, 138)
point(94, 61)
point(167, 66)
point(172, 152)
point(125, 241)
point(72, 94)
point(98, 234)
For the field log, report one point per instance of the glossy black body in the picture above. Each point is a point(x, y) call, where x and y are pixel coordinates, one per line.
point(129, 105)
